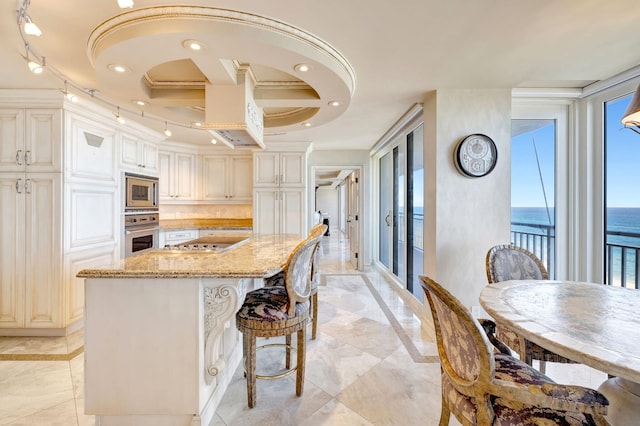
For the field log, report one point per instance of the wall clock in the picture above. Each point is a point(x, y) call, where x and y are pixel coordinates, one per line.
point(476, 155)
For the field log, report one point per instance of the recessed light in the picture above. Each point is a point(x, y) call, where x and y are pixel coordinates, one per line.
point(120, 69)
point(194, 45)
point(196, 124)
point(214, 141)
point(306, 124)
point(140, 103)
point(302, 67)
point(125, 4)
point(334, 103)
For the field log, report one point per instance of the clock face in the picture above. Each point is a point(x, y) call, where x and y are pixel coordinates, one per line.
point(476, 155)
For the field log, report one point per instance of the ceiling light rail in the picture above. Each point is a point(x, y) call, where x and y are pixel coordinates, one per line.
point(37, 65)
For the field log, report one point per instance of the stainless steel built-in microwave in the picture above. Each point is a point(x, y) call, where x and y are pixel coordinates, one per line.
point(141, 192)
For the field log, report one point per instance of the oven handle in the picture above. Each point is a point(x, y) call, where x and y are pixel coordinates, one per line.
point(141, 230)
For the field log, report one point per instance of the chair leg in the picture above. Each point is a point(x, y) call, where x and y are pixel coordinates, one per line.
point(445, 412)
point(543, 367)
point(314, 312)
point(302, 344)
point(287, 348)
point(249, 345)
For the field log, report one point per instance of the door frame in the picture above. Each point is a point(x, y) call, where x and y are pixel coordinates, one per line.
point(362, 217)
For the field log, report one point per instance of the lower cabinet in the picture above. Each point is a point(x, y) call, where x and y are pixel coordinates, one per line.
point(279, 211)
point(30, 250)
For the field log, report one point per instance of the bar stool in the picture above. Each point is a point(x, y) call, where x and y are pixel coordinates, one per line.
point(279, 311)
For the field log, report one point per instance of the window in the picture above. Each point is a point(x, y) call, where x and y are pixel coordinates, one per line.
point(622, 199)
point(533, 146)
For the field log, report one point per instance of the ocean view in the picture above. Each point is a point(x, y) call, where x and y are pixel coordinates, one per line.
point(618, 219)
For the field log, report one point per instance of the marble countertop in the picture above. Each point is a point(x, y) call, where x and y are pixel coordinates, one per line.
point(262, 256)
point(206, 223)
point(594, 324)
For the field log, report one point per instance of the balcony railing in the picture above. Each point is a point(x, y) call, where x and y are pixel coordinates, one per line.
point(623, 259)
point(538, 239)
point(622, 251)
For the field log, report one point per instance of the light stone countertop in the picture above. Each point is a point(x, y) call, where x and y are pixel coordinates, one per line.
point(262, 256)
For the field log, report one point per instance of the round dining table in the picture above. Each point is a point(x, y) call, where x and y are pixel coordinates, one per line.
point(593, 324)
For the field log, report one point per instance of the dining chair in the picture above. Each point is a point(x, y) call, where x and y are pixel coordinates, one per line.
point(509, 262)
point(279, 311)
point(482, 387)
point(318, 230)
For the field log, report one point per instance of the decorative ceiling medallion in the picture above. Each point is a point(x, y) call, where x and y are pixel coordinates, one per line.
point(267, 49)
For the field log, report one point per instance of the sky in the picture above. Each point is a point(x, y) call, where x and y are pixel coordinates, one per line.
point(622, 161)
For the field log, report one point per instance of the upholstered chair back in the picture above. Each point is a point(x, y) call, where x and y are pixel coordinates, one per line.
point(465, 352)
point(509, 262)
point(298, 273)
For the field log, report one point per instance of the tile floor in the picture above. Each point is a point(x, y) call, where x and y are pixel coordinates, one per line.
point(374, 363)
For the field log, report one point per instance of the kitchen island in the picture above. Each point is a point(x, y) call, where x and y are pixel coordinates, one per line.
point(161, 345)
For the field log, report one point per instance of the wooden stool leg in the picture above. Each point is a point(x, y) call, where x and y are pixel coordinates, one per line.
point(287, 361)
point(302, 344)
point(249, 344)
point(314, 312)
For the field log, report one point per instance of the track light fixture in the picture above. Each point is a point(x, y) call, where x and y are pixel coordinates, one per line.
point(30, 28)
point(119, 118)
point(167, 132)
point(70, 96)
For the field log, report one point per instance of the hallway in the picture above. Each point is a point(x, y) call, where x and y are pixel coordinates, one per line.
point(373, 363)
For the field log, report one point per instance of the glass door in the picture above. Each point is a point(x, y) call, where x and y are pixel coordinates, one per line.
point(401, 195)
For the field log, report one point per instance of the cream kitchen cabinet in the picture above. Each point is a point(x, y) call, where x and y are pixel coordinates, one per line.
point(227, 178)
point(30, 255)
point(30, 140)
point(138, 155)
point(177, 178)
point(279, 211)
point(284, 169)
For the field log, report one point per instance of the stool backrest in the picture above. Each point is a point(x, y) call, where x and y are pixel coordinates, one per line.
point(298, 272)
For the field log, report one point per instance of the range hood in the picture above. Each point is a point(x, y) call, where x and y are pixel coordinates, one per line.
point(231, 114)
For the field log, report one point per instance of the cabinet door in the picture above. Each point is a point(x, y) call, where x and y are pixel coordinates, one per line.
point(165, 177)
point(266, 211)
point(184, 177)
point(43, 140)
point(266, 168)
point(241, 179)
point(12, 249)
point(129, 152)
point(149, 153)
point(43, 254)
point(292, 169)
point(214, 178)
point(292, 214)
point(12, 140)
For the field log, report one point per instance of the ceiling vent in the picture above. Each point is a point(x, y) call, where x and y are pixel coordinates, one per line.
point(231, 114)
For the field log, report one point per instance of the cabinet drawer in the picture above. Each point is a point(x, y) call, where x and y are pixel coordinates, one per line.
point(179, 236)
point(207, 232)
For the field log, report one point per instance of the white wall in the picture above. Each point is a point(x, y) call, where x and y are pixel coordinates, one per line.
point(464, 217)
point(327, 200)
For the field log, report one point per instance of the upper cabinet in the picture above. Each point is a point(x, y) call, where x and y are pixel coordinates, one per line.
point(31, 140)
point(138, 155)
point(227, 178)
point(177, 178)
point(284, 169)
